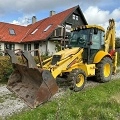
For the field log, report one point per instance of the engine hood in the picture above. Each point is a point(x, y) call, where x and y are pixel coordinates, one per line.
point(66, 52)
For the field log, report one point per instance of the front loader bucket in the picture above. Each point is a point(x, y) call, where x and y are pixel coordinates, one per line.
point(34, 86)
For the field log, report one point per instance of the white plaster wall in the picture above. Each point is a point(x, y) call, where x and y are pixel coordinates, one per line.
point(32, 48)
point(2, 46)
point(42, 48)
point(19, 46)
point(51, 47)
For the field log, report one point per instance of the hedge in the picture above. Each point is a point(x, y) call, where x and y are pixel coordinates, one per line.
point(6, 66)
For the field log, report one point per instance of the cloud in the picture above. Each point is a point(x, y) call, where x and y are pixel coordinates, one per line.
point(118, 33)
point(116, 14)
point(118, 29)
point(96, 12)
point(94, 15)
point(32, 6)
point(25, 20)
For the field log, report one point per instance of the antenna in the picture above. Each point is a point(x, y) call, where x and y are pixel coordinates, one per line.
point(27, 20)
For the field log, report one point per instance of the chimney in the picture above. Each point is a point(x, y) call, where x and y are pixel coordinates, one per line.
point(34, 19)
point(52, 13)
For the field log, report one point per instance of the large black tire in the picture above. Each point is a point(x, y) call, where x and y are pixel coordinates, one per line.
point(78, 79)
point(104, 70)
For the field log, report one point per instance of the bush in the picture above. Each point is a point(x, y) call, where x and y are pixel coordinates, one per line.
point(5, 68)
point(118, 59)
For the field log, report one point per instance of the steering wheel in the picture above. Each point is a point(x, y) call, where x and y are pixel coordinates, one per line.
point(80, 40)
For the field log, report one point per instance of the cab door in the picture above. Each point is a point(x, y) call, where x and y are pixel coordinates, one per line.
point(97, 44)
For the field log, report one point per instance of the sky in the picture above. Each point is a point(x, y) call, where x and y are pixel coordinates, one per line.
point(95, 11)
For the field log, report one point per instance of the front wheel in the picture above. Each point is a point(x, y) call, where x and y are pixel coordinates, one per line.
point(104, 70)
point(78, 79)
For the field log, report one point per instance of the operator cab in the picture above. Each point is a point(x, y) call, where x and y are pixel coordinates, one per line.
point(91, 38)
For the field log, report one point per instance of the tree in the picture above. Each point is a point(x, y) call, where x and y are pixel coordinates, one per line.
point(117, 44)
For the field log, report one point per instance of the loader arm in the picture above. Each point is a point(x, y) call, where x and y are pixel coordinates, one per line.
point(64, 64)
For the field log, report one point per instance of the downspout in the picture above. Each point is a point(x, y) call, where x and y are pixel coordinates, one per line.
point(46, 47)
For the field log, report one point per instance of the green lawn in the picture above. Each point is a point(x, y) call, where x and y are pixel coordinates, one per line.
point(98, 103)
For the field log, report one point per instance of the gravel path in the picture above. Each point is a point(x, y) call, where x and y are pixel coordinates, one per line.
point(92, 83)
point(9, 104)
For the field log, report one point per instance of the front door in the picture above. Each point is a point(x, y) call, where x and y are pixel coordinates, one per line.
point(36, 46)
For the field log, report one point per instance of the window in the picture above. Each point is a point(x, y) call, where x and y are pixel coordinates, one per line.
point(76, 17)
point(96, 41)
point(25, 46)
point(103, 34)
point(12, 31)
point(1, 50)
point(47, 28)
point(79, 38)
point(73, 17)
point(0, 47)
point(29, 47)
point(10, 46)
point(34, 31)
point(68, 28)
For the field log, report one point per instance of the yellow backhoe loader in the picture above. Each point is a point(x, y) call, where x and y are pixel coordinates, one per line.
point(91, 52)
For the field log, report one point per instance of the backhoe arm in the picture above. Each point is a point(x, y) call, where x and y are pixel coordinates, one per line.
point(110, 43)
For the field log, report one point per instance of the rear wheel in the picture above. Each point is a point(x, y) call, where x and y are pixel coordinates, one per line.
point(104, 70)
point(78, 79)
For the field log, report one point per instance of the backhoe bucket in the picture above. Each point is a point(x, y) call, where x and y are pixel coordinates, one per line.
point(32, 84)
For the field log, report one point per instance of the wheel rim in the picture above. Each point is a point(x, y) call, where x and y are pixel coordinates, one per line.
point(106, 69)
point(80, 80)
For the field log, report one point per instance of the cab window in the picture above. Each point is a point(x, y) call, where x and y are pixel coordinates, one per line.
point(96, 40)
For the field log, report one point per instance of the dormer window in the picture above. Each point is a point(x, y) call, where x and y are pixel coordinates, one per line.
point(75, 17)
point(47, 28)
point(12, 31)
point(34, 31)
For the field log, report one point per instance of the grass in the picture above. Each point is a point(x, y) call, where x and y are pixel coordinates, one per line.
point(98, 103)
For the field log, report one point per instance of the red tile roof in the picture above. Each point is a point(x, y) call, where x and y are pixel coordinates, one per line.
point(5, 35)
point(23, 34)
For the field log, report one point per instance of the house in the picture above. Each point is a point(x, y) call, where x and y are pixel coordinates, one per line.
point(44, 34)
